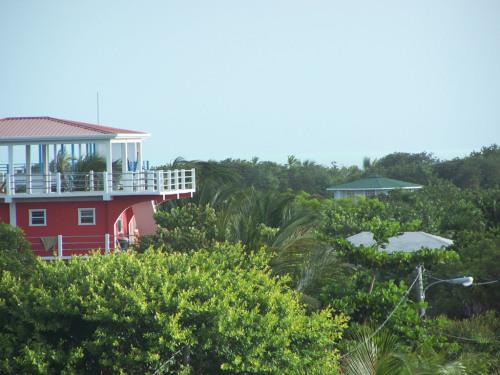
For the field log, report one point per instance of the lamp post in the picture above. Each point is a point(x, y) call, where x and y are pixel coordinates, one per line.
point(464, 281)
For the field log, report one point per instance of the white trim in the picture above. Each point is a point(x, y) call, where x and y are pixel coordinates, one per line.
point(390, 188)
point(73, 139)
point(80, 210)
point(31, 217)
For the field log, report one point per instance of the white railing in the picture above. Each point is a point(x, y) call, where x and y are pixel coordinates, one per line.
point(64, 247)
point(178, 180)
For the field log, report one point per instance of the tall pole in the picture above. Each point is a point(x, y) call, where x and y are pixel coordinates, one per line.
point(421, 292)
point(97, 102)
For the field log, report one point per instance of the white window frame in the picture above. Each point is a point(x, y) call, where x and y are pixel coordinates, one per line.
point(31, 211)
point(80, 210)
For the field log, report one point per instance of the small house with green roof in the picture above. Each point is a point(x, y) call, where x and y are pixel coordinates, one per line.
point(370, 187)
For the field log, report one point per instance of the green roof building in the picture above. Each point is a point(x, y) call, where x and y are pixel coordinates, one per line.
point(370, 186)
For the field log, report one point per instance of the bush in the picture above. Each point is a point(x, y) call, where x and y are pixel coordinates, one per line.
point(207, 312)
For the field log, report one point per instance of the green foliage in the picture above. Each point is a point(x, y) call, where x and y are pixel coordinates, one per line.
point(442, 208)
point(374, 354)
point(474, 341)
point(207, 312)
point(183, 228)
point(417, 168)
point(345, 217)
point(15, 251)
point(89, 163)
point(383, 354)
point(363, 306)
point(479, 170)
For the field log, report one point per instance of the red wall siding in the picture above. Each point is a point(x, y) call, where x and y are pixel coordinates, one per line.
point(4, 213)
point(62, 219)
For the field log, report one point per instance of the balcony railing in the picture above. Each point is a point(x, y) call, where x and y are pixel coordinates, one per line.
point(64, 247)
point(145, 182)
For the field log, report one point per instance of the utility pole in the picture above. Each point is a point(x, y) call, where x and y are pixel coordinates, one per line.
point(97, 102)
point(421, 291)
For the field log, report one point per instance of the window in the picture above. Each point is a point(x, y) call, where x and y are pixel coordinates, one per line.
point(370, 193)
point(86, 216)
point(38, 218)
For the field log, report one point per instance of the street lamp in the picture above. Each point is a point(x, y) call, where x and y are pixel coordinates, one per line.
point(464, 281)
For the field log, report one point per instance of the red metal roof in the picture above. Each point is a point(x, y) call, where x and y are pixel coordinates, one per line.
point(32, 127)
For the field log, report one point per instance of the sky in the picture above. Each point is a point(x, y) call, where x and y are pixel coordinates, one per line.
point(322, 80)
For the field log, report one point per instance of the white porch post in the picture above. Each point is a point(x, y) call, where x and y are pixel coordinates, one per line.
point(108, 175)
point(28, 159)
point(60, 246)
point(11, 159)
point(13, 214)
point(139, 156)
point(124, 157)
point(55, 158)
point(109, 157)
point(106, 243)
point(28, 169)
point(45, 156)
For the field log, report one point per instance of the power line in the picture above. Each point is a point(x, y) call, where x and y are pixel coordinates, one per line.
point(486, 282)
point(386, 319)
point(470, 339)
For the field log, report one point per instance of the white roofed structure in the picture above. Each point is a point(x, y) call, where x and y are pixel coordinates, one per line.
point(406, 242)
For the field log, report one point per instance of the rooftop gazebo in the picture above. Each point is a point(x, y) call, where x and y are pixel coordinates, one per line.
point(370, 186)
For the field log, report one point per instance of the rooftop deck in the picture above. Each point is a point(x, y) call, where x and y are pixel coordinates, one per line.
point(71, 184)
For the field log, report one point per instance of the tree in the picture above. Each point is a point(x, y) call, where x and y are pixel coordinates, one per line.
point(183, 228)
point(207, 312)
point(15, 252)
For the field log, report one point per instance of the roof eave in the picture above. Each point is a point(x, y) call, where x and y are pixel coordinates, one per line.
point(130, 136)
point(57, 139)
point(74, 138)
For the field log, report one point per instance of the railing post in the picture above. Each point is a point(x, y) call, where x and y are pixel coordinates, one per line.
point(183, 179)
point(48, 185)
point(91, 180)
point(60, 246)
point(176, 179)
point(159, 181)
point(193, 179)
point(106, 244)
point(29, 182)
point(169, 180)
point(58, 182)
point(13, 182)
point(106, 182)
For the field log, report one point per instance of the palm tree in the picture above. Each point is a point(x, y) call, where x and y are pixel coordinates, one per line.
point(382, 354)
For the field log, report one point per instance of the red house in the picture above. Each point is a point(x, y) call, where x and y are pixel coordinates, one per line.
point(65, 208)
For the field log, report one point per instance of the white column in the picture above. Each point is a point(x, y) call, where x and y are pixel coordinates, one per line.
point(12, 214)
point(28, 159)
point(139, 156)
point(108, 175)
point(79, 151)
point(11, 159)
point(28, 169)
point(55, 157)
point(109, 157)
point(124, 157)
point(106, 243)
point(60, 246)
point(45, 156)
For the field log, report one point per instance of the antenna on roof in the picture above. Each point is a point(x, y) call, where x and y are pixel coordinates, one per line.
point(98, 123)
